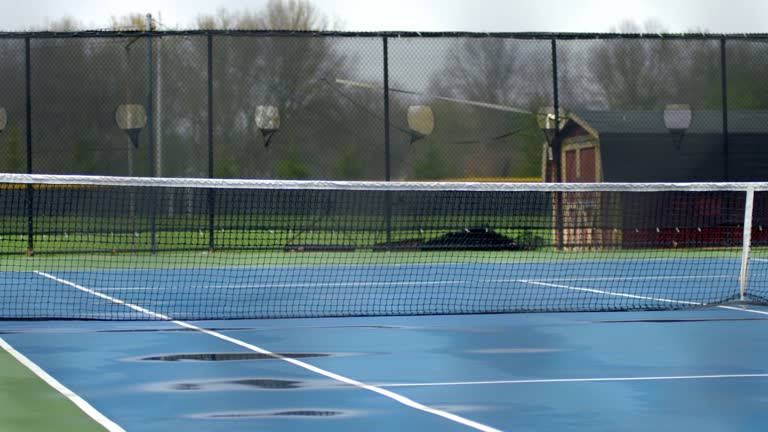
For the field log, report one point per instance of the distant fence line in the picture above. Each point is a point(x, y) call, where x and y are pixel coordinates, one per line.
point(371, 106)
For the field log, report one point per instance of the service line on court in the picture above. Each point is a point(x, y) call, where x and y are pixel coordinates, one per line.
point(428, 283)
point(576, 380)
point(639, 297)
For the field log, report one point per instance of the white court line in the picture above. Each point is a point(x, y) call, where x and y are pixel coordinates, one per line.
point(744, 309)
point(576, 380)
point(633, 296)
point(386, 393)
point(639, 278)
point(616, 379)
point(140, 289)
point(59, 387)
point(612, 293)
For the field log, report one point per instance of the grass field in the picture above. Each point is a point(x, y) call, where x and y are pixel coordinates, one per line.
point(184, 237)
point(28, 404)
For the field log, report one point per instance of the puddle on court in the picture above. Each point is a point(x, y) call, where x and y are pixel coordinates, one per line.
point(261, 384)
point(236, 384)
point(293, 413)
point(215, 357)
point(239, 384)
point(515, 351)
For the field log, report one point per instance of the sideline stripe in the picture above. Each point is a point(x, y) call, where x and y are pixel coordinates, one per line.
point(69, 394)
point(394, 396)
point(577, 380)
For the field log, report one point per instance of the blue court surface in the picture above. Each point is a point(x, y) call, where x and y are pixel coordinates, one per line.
point(702, 369)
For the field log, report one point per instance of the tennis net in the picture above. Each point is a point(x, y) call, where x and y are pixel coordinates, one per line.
point(77, 247)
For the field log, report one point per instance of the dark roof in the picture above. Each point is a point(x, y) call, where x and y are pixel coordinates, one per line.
point(637, 147)
point(659, 158)
point(652, 122)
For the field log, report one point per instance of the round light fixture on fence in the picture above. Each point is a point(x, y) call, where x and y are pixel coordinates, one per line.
point(421, 120)
point(131, 118)
point(267, 119)
point(677, 119)
point(3, 119)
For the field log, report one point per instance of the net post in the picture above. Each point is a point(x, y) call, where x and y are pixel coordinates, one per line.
point(30, 190)
point(747, 241)
point(211, 192)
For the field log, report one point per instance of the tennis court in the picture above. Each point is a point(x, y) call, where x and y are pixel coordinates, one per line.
point(164, 289)
point(405, 289)
point(579, 371)
point(247, 305)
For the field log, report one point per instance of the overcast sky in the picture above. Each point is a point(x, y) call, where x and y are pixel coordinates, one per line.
point(720, 16)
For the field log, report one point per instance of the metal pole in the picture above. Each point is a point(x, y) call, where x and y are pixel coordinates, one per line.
point(30, 190)
point(211, 192)
point(556, 148)
point(724, 95)
point(746, 243)
point(387, 167)
point(150, 97)
point(387, 150)
point(151, 126)
point(158, 96)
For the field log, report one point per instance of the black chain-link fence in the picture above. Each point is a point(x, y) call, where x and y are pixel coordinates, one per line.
point(385, 106)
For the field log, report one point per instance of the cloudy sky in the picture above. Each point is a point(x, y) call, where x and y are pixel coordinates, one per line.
point(721, 16)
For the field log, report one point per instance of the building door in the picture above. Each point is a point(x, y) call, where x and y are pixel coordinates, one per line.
point(571, 166)
point(581, 210)
point(587, 165)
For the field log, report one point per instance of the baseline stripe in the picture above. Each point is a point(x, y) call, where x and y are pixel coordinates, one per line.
point(394, 396)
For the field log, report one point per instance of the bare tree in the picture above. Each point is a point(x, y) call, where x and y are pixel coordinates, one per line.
point(646, 74)
point(477, 139)
point(276, 15)
point(297, 75)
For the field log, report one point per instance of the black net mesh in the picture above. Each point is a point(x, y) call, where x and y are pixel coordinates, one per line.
point(217, 250)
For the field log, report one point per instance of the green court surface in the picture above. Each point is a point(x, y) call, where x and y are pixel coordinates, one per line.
point(28, 404)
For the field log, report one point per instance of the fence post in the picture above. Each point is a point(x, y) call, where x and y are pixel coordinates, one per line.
point(30, 190)
point(387, 150)
point(724, 95)
point(151, 126)
point(556, 151)
point(211, 192)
